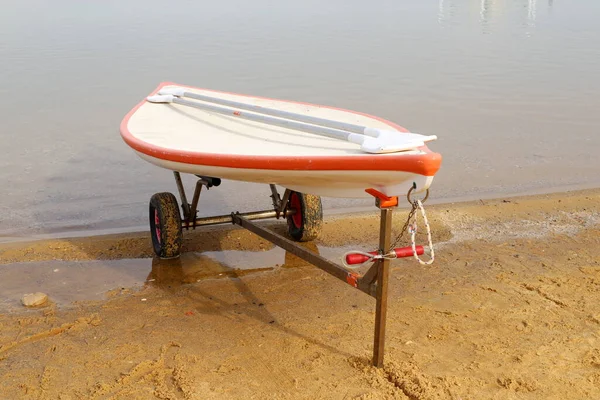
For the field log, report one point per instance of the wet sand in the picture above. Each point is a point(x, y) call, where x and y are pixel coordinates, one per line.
point(510, 309)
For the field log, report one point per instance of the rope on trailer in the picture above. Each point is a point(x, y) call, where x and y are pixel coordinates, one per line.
point(412, 229)
point(410, 226)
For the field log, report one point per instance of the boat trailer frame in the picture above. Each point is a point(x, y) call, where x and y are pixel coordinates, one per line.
point(374, 282)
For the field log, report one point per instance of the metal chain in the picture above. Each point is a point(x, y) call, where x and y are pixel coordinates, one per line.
point(405, 227)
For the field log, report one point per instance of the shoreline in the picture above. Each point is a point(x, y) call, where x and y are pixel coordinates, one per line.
point(136, 244)
point(334, 212)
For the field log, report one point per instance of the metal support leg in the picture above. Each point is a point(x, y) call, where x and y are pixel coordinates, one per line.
point(383, 267)
point(189, 210)
point(184, 203)
point(275, 197)
point(284, 201)
point(193, 209)
point(279, 203)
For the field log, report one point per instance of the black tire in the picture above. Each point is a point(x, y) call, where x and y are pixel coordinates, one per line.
point(165, 225)
point(306, 224)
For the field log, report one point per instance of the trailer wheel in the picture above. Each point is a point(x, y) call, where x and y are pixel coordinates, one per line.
point(165, 225)
point(307, 222)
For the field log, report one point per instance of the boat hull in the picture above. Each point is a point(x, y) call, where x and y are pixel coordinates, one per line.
point(198, 142)
point(347, 184)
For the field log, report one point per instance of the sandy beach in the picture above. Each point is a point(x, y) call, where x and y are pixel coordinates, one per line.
point(509, 310)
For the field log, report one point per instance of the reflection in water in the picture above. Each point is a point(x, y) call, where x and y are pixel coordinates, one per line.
point(194, 267)
point(68, 281)
point(441, 11)
point(531, 12)
point(484, 12)
point(446, 10)
point(490, 9)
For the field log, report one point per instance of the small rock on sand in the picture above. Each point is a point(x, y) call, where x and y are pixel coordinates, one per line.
point(34, 299)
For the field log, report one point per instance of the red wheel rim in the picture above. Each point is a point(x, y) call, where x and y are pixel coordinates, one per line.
point(157, 226)
point(295, 205)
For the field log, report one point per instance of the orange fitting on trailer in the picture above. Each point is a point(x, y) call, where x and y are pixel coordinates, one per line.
point(384, 201)
point(352, 279)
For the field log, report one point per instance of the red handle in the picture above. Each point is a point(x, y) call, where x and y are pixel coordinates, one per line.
point(400, 252)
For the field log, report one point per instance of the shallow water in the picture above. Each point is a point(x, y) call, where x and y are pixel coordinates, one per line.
point(510, 87)
point(67, 282)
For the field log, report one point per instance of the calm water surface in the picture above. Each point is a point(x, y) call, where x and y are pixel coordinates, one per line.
point(511, 87)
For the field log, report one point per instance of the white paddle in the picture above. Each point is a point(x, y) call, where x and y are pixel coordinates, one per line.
point(182, 92)
point(371, 140)
point(344, 126)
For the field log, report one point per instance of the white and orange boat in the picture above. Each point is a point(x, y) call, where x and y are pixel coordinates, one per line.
point(183, 138)
point(308, 149)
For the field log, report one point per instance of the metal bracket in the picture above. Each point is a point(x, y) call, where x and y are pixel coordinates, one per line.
point(190, 211)
point(279, 204)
